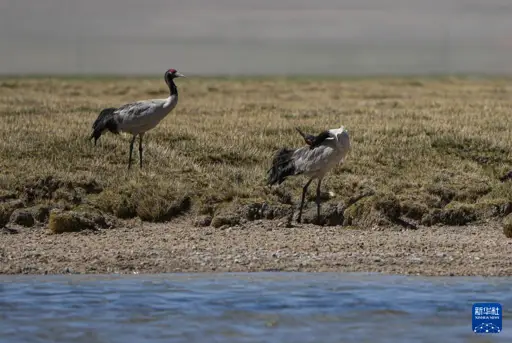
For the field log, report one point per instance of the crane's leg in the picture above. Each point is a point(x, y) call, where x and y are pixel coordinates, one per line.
point(318, 201)
point(140, 148)
point(131, 151)
point(304, 191)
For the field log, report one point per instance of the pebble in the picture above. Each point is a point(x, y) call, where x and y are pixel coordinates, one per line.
point(416, 259)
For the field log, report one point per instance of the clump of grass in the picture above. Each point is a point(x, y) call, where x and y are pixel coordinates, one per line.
point(7, 195)
point(150, 204)
point(454, 214)
point(433, 157)
point(414, 210)
point(7, 209)
point(377, 209)
point(69, 221)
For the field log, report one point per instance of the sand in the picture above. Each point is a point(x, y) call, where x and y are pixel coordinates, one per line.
point(259, 246)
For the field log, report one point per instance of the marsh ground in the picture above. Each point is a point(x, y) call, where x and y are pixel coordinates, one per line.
point(425, 151)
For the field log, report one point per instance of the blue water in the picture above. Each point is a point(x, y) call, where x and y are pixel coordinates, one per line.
point(241, 307)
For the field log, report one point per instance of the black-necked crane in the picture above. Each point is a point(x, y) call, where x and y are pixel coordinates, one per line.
point(322, 153)
point(137, 117)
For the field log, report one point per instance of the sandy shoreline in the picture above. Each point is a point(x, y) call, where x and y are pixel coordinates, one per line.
point(260, 246)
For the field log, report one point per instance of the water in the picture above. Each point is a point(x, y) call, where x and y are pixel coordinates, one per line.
point(348, 37)
point(241, 307)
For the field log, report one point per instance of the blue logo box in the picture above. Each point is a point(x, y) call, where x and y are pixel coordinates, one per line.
point(487, 318)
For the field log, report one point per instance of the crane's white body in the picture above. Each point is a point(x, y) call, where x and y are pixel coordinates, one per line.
point(322, 154)
point(137, 117)
point(316, 162)
point(142, 116)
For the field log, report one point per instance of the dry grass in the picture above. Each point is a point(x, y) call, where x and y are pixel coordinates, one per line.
point(436, 146)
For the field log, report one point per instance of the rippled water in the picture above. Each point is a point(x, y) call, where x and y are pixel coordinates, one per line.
point(241, 307)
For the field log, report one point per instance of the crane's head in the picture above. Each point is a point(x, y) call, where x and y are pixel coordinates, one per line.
point(341, 137)
point(172, 74)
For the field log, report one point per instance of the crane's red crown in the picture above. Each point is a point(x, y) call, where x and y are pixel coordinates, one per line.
point(172, 71)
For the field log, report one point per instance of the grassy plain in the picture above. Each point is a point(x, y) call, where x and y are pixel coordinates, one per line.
point(424, 150)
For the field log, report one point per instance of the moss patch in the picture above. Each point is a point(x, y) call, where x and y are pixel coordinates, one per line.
point(158, 205)
point(69, 221)
point(229, 219)
point(378, 209)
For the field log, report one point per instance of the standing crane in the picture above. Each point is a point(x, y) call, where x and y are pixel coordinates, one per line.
point(137, 117)
point(322, 153)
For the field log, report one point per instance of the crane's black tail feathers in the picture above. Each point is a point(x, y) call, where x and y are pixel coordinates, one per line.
point(105, 121)
point(282, 166)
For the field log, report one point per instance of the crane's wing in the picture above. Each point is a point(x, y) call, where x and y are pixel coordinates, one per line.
point(138, 114)
point(307, 159)
point(135, 109)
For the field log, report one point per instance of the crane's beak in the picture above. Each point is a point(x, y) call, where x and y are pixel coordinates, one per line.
point(179, 74)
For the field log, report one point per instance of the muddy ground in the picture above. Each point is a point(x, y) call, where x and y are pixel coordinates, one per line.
point(259, 246)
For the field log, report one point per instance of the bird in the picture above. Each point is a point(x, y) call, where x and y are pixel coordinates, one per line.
point(321, 153)
point(137, 117)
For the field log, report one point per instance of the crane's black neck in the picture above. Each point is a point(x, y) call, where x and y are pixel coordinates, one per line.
point(172, 87)
point(316, 141)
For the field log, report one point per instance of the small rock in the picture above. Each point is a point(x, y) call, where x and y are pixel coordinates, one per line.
point(40, 212)
point(416, 259)
point(6, 210)
point(8, 231)
point(203, 221)
point(254, 211)
point(507, 226)
point(225, 220)
point(22, 217)
point(329, 215)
